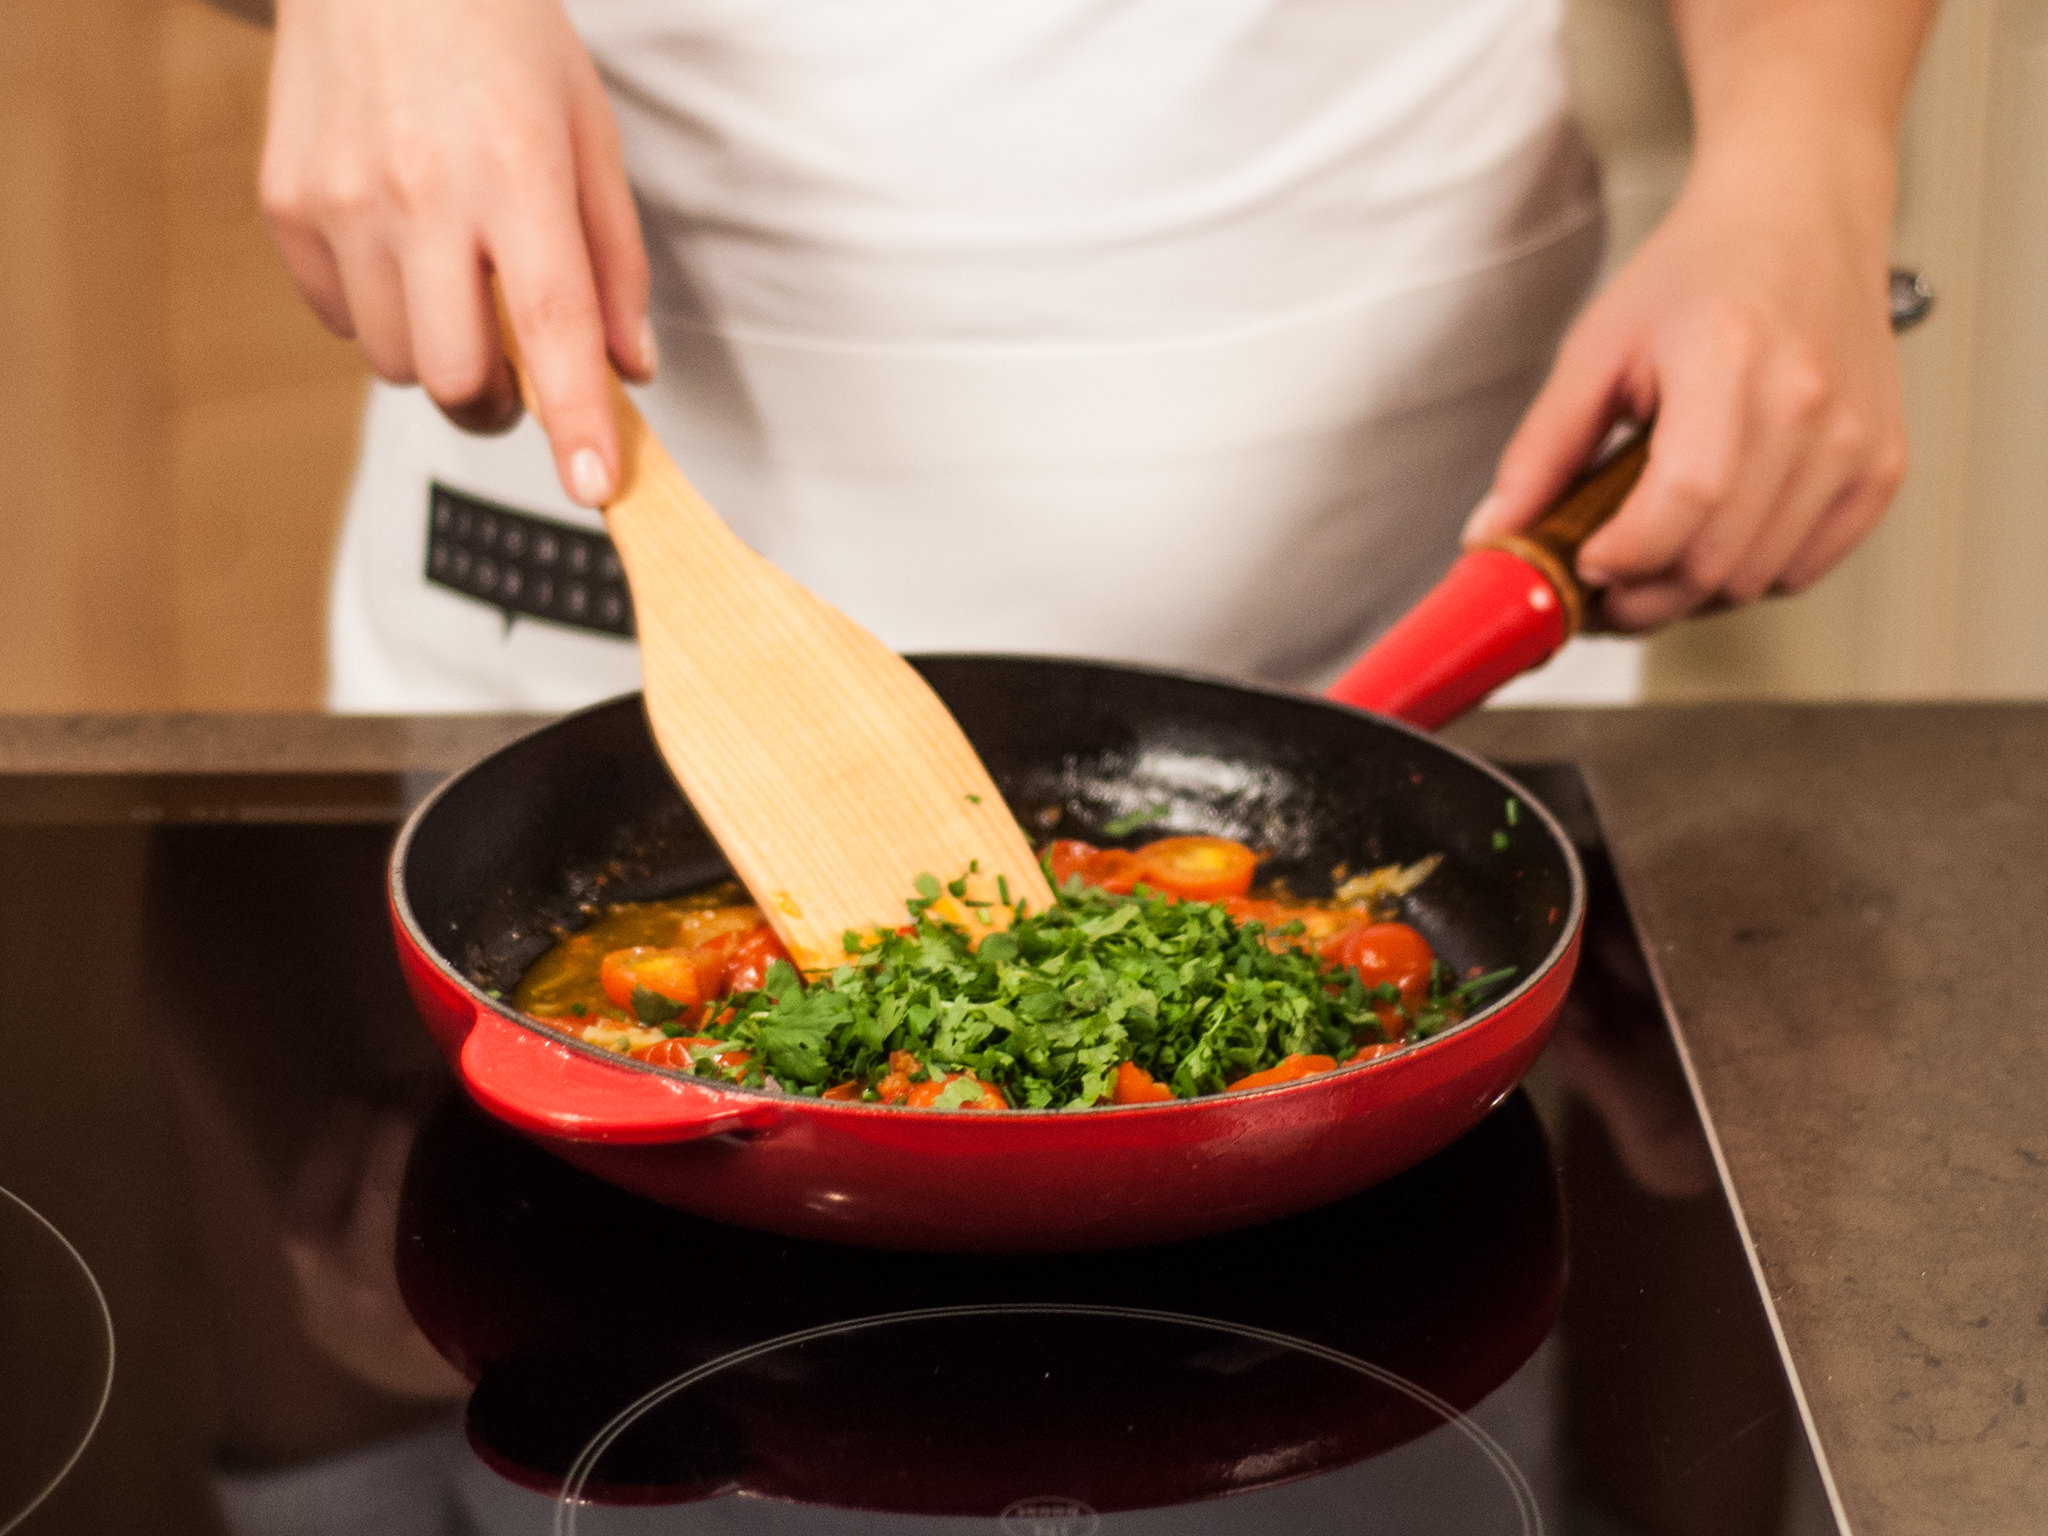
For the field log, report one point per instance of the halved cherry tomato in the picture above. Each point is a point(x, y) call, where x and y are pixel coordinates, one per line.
point(922, 1095)
point(1386, 952)
point(1197, 868)
point(845, 1093)
point(1067, 856)
point(895, 1087)
point(668, 973)
point(676, 1053)
point(1114, 870)
point(1134, 1085)
point(748, 968)
point(1372, 1052)
point(1291, 1069)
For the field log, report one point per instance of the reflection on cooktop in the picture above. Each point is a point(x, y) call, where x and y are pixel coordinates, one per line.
point(959, 1386)
point(353, 1304)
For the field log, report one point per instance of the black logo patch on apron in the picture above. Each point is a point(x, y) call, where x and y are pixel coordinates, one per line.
point(526, 567)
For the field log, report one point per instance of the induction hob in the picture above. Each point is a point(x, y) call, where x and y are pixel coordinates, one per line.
point(343, 1300)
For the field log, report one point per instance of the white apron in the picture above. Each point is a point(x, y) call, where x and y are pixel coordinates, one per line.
point(1174, 331)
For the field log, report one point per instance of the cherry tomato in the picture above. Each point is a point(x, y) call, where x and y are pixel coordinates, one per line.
point(845, 1093)
point(895, 1087)
point(1107, 869)
point(1134, 1085)
point(1372, 1052)
point(1386, 952)
point(676, 1053)
point(1114, 870)
point(667, 973)
point(1197, 868)
point(748, 967)
point(1067, 857)
point(1291, 1069)
point(922, 1095)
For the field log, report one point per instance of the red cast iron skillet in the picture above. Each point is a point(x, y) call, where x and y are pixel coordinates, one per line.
point(500, 858)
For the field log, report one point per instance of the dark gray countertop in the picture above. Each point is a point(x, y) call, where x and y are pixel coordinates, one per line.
point(1848, 907)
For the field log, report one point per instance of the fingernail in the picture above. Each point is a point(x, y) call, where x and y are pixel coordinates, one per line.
point(1480, 514)
point(650, 350)
point(588, 478)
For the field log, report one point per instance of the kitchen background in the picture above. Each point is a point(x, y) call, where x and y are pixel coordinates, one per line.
point(179, 429)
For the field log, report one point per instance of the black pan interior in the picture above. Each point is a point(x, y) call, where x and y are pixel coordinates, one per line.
point(529, 842)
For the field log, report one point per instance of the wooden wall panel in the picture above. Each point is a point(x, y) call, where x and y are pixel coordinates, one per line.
point(179, 429)
point(265, 403)
point(84, 601)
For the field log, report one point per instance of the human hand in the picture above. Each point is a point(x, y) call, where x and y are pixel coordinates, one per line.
point(1754, 323)
point(415, 148)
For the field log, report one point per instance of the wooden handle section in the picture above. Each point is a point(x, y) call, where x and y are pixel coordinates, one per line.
point(1552, 542)
point(830, 774)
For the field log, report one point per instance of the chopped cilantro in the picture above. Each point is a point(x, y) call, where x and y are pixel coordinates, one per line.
point(1047, 1009)
point(1500, 840)
point(1125, 825)
point(961, 1091)
point(653, 1008)
point(1514, 811)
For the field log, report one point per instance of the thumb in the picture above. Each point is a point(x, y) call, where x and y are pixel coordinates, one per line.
point(1585, 392)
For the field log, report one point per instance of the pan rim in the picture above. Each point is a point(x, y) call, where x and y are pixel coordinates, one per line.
point(1567, 937)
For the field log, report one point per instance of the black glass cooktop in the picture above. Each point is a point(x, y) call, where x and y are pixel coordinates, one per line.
point(343, 1300)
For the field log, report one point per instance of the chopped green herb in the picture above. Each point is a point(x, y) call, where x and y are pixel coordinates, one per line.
point(961, 1091)
point(1514, 811)
point(1500, 840)
point(974, 799)
point(1003, 889)
point(1473, 989)
point(1125, 825)
point(653, 1008)
point(957, 888)
point(1047, 1009)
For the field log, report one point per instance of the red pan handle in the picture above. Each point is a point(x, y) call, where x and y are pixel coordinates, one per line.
point(544, 1086)
point(1508, 607)
point(1499, 611)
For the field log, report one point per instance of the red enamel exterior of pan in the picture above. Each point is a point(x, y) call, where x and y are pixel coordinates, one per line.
point(488, 870)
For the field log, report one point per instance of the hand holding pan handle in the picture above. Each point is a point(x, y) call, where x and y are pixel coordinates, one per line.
point(1509, 605)
point(546, 1086)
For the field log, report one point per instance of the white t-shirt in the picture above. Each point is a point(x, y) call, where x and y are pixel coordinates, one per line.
point(1181, 331)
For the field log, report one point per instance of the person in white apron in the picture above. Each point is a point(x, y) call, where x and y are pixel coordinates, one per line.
point(1173, 331)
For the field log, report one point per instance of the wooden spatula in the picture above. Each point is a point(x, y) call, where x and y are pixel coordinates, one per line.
point(826, 768)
